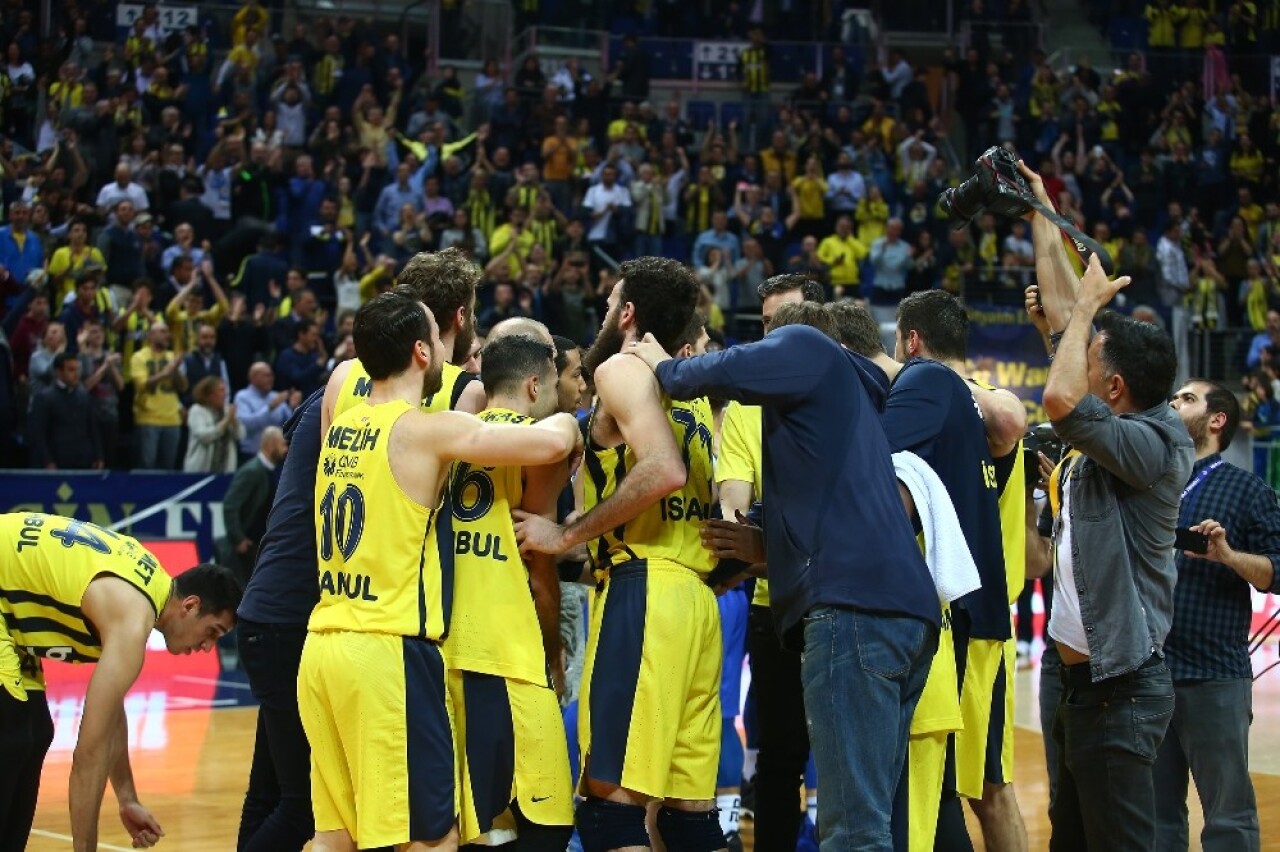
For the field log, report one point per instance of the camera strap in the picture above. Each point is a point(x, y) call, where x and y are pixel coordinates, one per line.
point(1083, 244)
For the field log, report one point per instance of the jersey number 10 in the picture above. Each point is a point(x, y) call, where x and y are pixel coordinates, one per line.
point(342, 520)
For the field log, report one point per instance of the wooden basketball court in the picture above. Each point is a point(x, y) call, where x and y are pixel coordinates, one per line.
point(191, 735)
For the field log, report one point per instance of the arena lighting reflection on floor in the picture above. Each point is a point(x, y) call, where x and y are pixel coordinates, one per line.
point(167, 683)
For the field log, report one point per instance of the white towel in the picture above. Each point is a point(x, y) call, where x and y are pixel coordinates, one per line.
point(945, 551)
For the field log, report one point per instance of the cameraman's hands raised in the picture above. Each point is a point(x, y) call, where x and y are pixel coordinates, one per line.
point(1096, 290)
point(1037, 189)
point(1035, 310)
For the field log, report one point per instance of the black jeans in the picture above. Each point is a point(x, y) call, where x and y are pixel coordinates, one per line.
point(277, 806)
point(1050, 697)
point(26, 731)
point(784, 737)
point(1108, 734)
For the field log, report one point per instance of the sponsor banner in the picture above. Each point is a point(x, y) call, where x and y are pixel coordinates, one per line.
point(145, 505)
point(1006, 351)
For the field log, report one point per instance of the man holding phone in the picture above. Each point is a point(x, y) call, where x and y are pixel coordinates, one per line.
point(1236, 518)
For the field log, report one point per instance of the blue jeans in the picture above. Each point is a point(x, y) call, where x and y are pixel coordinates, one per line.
point(1208, 737)
point(1107, 735)
point(862, 673)
point(158, 447)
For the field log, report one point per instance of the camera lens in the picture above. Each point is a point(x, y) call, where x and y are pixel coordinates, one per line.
point(963, 203)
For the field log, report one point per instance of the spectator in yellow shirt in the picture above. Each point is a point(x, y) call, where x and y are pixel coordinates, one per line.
point(1246, 163)
point(245, 55)
point(1161, 17)
point(251, 18)
point(809, 200)
point(881, 124)
point(779, 157)
point(157, 410)
point(67, 91)
point(872, 214)
point(630, 118)
point(1191, 18)
point(187, 311)
point(373, 126)
point(842, 251)
point(67, 261)
point(514, 234)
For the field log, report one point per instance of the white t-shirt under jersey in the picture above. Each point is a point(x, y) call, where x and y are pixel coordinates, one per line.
point(1065, 623)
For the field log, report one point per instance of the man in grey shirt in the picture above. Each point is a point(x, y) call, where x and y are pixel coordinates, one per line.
point(1116, 500)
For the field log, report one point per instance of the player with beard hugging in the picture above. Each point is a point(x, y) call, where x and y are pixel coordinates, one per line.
point(648, 489)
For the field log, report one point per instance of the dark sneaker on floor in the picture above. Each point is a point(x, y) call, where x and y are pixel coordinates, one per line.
point(747, 807)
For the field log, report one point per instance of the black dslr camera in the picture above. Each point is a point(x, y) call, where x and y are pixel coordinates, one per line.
point(1040, 439)
point(996, 185)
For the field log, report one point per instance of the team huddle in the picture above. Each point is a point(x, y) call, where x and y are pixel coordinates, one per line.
point(428, 680)
point(401, 628)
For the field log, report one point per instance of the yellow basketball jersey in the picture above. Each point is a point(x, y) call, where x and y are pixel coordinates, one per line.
point(51, 561)
point(741, 458)
point(938, 709)
point(380, 568)
point(669, 529)
point(494, 629)
point(1013, 517)
point(357, 385)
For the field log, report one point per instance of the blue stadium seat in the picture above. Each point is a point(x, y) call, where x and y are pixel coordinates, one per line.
point(1128, 33)
point(698, 113)
point(732, 111)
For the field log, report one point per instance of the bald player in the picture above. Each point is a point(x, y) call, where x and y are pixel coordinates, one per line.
point(444, 281)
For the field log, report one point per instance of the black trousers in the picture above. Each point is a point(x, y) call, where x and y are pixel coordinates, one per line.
point(26, 731)
point(277, 806)
point(784, 738)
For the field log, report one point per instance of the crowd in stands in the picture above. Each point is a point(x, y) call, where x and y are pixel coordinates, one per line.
point(187, 234)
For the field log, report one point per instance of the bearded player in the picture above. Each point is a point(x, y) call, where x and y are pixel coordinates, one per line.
point(649, 722)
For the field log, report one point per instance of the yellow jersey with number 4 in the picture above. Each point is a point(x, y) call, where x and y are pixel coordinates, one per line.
point(49, 564)
point(670, 528)
point(494, 629)
point(380, 568)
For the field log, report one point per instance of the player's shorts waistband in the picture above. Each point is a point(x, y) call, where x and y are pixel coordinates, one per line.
point(336, 631)
point(636, 568)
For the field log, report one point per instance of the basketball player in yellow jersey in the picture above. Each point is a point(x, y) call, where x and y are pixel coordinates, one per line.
point(649, 718)
point(371, 686)
point(75, 592)
point(445, 281)
point(504, 638)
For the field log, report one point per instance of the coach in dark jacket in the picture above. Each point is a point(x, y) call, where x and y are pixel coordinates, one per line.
point(248, 499)
point(844, 567)
point(272, 627)
point(63, 430)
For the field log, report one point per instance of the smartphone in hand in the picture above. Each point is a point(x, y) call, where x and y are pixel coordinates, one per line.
point(1185, 538)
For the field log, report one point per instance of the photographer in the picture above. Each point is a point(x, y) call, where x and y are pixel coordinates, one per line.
point(1113, 542)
